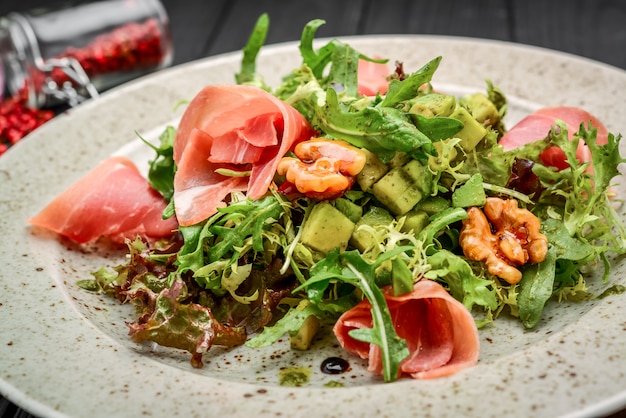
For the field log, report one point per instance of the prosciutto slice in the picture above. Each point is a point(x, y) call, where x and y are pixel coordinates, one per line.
point(536, 126)
point(372, 78)
point(113, 200)
point(240, 127)
point(440, 332)
point(197, 185)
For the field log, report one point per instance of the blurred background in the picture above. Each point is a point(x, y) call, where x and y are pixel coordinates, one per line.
point(594, 29)
point(197, 29)
point(589, 28)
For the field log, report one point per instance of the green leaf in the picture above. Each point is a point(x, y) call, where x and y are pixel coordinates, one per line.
point(536, 287)
point(191, 255)
point(162, 167)
point(566, 247)
point(189, 327)
point(401, 277)
point(255, 42)
point(464, 285)
point(393, 348)
point(254, 215)
point(380, 130)
point(437, 128)
point(408, 88)
point(288, 324)
point(350, 267)
point(344, 69)
point(438, 222)
point(471, 193)
point(316, 61)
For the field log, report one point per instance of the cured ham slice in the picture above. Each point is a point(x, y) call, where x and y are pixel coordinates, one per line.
point(243, 127)
point(113, 200)
point(440, 332)
point(196, 184)
point(372, 78)
point(536, 126)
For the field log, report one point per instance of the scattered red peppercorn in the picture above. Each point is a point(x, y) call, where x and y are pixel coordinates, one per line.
point(130, 47)
point(18, 120)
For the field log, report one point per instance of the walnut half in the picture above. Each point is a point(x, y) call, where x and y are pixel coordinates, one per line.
point(504, 237)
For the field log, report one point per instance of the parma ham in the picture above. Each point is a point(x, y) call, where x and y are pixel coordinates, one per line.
point(440, 332)
point(240, 127)
point(536, 126)
point(372, 78)
point(113, 200)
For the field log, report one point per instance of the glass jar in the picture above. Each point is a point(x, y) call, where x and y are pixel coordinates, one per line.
point(67, 55)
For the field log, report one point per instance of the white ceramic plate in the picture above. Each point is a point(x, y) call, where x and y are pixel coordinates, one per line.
point(65, 352)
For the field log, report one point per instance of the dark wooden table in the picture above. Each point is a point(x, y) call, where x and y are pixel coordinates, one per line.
point(590, 28)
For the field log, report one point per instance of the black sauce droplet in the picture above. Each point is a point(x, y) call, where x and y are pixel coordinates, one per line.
point(334, 365)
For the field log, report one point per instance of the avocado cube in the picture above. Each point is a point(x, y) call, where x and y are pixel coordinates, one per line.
point(326, 228)
point(415, 220)
point(434, 104)
point(389, 191)
point(481, 108)
point(419, 174)
point(399, 160)
point(373, 170)
point(375, 216)
point(402, 187)
point(348, 208)
point(472, 133)
point(303, 338)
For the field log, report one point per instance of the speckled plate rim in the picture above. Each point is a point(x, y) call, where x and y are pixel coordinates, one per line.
point(53, 362)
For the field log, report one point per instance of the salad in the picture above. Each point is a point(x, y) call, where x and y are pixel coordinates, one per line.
point(357, 197)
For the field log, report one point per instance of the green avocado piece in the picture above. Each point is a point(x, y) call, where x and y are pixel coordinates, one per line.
point(434, 104)
point(470, 194)
point(399, 160)
point(326, 228)
point(403, 187)
point(473, 131)
point(348, 208)
point(373, 170)
point(373, 217)
point(481, 108)
point(415, 220)
point(433, 205)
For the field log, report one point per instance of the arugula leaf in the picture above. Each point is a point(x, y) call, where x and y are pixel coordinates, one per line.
point(195, 237)
point(293, 320)
point(316, 61)
point(408, 88)
point(381, 130)
point(536, 287)
point(438, 222)
point(350, 267)
point(383, 334)
point(344, 69)
point(162, 167)
point(437, 128)
point(251, 50)
point(343, 58)
point(571, 252)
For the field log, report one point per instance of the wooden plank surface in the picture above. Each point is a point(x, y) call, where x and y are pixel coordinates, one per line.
point(595, 29)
